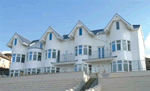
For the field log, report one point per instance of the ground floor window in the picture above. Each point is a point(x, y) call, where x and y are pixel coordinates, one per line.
point(121, 66)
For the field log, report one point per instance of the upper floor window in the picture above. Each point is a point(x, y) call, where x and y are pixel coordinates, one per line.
point(18, 58)
point(80, 49)
point(15, 42)
point(80, 31)
point(117, 26)
point(101, 52)
point(113, 46)
point(83, 50)
point(13, 57)
point(50, 36)
point(41, 45)
point(120, 45)
point(30, 56)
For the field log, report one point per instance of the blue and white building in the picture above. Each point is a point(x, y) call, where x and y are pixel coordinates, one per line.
point(119, 47)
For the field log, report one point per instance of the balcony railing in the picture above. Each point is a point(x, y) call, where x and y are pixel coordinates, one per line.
point(65, 58)
point(100, 54)
point(38, 47)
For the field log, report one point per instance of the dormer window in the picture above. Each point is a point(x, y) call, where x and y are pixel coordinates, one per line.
point(117, 26)
point(50, 36)
point(80, 31)
point(15, 42)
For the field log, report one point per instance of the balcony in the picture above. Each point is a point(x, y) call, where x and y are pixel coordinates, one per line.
point(36, 45)
point(65, 59)
point(100, 56)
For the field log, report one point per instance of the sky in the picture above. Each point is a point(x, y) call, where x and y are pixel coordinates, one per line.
point(31, 18)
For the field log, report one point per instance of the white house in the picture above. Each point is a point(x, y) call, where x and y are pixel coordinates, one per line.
point(118, 47)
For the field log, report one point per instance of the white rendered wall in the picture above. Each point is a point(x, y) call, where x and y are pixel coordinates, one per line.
point(34, 63)
point(18, 49)
point(122, 34)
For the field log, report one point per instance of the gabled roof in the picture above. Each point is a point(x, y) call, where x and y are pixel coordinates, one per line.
point(111, 21)
point(79, 24)
point(50, 29)
point(21, 38)
point(97, 31)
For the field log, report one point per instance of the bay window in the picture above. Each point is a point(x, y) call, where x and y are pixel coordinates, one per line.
point(83, 50)
point(120, 45)
point(121, 65)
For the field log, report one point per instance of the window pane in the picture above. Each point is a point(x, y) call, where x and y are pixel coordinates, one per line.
point(90, 50)
point(85, 50)
point(124, 45)
point(76, 50)
point(113, 46)
point(14, 58)
point(39, 56)
point(34, 55)
point(23, 59)
point(49, 53)
point(15, 42)
point(99, 52)
point(117, 25)
point(33, 71)
point(18, 58)
point(118, 45)
point(54, 54)
point(103, 52)
point(41, 45)
point(50, 36)
point(129, 48)
point(80, 49)
point(130, 66)
point(80, 31)
point(30, 56)
point(119, 65)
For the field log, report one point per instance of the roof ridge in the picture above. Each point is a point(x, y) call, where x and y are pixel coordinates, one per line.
point(23, 36)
